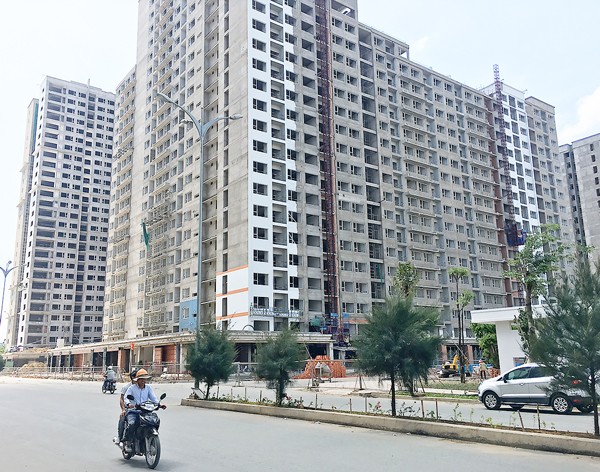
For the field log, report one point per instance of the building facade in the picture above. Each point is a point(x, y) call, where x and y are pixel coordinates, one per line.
point(57, 291)
point(350, 159)
point(534, 182)
point(584, 189)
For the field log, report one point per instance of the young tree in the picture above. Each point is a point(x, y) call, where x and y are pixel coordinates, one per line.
point(568, 337)
point(405, 279)
point(531, 266)
point(281, 354)
point(397, 342)
point(210, 358)
point(462, 300)
point(488, 341)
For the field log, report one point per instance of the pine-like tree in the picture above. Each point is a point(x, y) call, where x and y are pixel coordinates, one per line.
point(568, 335)
point(210, 358)
point(397, 342)
point(276, 359)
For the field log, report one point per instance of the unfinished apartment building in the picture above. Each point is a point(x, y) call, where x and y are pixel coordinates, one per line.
point(533, 178)
point(350, 158)
point(581, 161)
point(57, 296)
point(550, 175)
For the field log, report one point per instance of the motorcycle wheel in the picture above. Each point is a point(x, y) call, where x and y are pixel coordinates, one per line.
point(127, 455)
point(112, 390)
point(152, 451)
point(103, 390)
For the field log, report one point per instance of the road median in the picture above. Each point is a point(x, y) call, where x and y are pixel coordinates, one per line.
point(561, 443)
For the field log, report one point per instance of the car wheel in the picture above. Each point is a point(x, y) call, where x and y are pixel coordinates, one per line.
point(517, 407)
point(586, 408)
point(491, 400)
point(561, 403)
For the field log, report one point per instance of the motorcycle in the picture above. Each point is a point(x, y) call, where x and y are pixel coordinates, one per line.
point(146, 442)
point(109, 386)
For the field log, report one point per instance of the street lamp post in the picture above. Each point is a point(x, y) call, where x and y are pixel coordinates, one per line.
point(5, 272)
point(202, 129)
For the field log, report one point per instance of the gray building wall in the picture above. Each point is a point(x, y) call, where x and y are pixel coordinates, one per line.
point(414, 167)
point(582, 165)
point(63, 222)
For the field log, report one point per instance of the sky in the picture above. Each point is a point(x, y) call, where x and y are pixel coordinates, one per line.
point(547, 48)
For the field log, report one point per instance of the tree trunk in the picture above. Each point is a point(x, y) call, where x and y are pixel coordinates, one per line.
point(595, 402)
point(280, 388)
point(196, 383)
point(393, 380)
point(531, 336)
point(461, 355)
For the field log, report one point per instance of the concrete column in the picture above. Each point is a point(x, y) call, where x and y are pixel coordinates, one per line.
point(178, 361)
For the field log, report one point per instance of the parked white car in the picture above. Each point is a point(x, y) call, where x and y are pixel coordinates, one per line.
point(529, 384)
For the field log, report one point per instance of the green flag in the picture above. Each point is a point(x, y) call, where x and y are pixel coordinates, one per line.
point(146, 236)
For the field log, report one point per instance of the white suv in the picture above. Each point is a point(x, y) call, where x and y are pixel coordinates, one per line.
point(529, 384)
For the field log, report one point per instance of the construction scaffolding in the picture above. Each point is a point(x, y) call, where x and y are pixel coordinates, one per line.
point(327, 160)
point(514, 235)
point(156, 318)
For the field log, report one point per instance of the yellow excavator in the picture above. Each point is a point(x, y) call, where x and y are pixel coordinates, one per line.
point(450, 369)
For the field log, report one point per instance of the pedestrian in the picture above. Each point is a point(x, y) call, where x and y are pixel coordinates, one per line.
point(483, 370)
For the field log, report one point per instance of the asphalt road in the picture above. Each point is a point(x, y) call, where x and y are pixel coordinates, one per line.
point(67, 426)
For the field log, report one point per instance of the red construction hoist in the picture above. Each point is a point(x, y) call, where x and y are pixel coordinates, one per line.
point(510, 225)
point(326, 158)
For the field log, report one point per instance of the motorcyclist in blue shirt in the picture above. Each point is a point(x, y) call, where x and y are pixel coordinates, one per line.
point(140, 393)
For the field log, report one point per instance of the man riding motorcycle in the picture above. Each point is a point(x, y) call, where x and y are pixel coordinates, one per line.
point(140, 393)
point(109, 377)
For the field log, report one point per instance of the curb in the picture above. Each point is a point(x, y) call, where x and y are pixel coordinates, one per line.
point(537, 441)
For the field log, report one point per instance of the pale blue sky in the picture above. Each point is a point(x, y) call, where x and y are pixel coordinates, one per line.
point(549, 47)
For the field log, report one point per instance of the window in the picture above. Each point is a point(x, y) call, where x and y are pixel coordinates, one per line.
point(261, 211)
point(259, 85)
point(261, 256)
point(259, 146)
point(256, 44)
point(257, 25)
point(259, 167)
point(259, 125)
point(261, 279)
point(259, 105)
point(260, 65)
point(258, 6)
point(259, 189)
point(260, 233)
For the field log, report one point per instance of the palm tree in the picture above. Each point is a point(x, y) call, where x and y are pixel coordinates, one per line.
point(462, 300)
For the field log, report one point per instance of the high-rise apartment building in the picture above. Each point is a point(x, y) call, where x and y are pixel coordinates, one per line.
point(581, 162)
point(533, 179)
point(350, 159)
point(57, 294)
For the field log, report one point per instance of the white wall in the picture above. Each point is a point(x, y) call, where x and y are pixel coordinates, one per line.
point(509, 345)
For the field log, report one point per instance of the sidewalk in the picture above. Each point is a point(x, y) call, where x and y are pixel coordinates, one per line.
point(364, 387)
